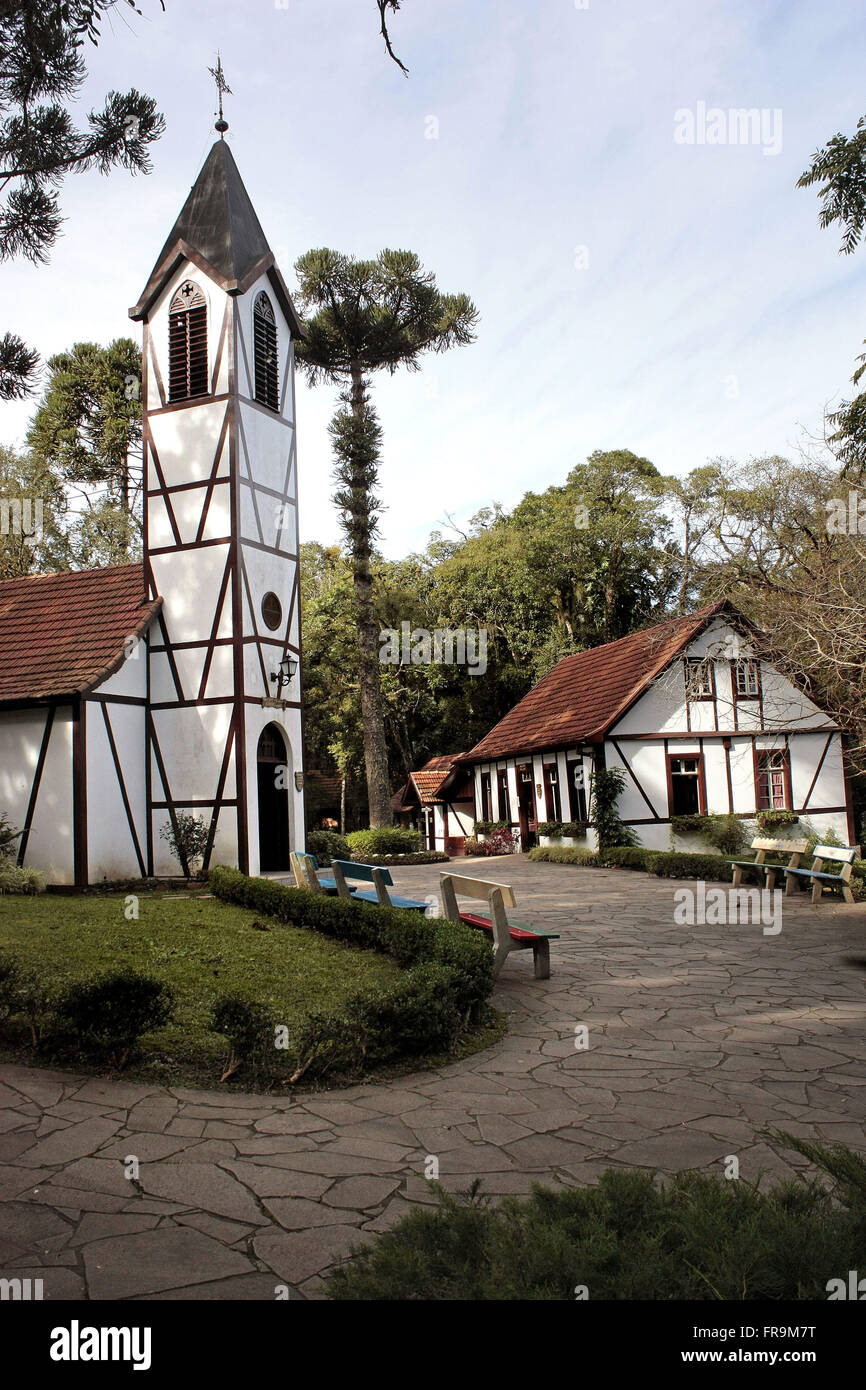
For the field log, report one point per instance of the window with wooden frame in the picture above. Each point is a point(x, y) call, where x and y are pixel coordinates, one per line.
point(265, 353)
point(747, 679)
point(576, 790)
point(187, 344)
point(551, 792)
point(686, 794)
point(504, 799)
point(485, 796)
point(699, 678)
point(772, 780)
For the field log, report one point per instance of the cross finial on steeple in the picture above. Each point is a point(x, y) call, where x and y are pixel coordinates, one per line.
point(222, 86)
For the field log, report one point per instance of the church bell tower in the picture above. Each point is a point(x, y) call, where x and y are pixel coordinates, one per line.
point(221, 533)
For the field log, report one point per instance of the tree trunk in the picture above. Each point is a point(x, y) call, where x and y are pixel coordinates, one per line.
point(343, 804)
point(372, 704)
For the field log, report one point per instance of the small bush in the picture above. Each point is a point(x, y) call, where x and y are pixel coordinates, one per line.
point(187, 839)
point(15, 880)
point(384, 840)
point(8, 835)
point(627, 857)
point(486, 827)
point(679, 865)
point(625, 1238)
point(550, 827)
point(112, 1011)
point(327, 845)
point(773, 820)
point(565, 854)
point(726, 834)
point(473, 847)
point(249, 1027)
point(574, 829)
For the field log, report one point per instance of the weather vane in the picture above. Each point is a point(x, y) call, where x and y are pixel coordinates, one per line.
point(222, 87)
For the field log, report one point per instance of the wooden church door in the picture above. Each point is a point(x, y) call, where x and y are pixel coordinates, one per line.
point(273, 775)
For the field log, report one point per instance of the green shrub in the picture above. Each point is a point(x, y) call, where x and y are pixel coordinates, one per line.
point(575, 829)
point(11, 976)
point(384, 840)
point(449, 974)
point(627, 857)
point(487, 827)
point(565, 854)
point(472, 847)
point(625, 1238)
point(187, 836)
point(113, 1010)
point(21, 992)
point(726, 834)
point(676, 864)
point(249, 1027)
point(8, 835)
point(608, 787)
point(15, 880)
point(550, 827)
point(774, 820)
point(327, 845)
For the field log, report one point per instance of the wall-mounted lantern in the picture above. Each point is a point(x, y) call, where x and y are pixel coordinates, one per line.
point(284, 672)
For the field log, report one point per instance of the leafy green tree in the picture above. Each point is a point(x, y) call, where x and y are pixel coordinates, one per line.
point(87, 430)
point(840, 169)
point(364, 317)
point(32, 514)
point(42, 71)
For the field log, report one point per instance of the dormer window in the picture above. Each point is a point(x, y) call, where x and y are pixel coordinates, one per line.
point(699, 678)
point(265, 353)
point(187, 344)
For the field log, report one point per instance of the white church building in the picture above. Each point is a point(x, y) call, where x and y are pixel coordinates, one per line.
point(696, 718)
point(132, 694)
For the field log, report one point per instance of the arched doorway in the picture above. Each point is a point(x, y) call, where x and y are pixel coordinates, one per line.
point(274, 770)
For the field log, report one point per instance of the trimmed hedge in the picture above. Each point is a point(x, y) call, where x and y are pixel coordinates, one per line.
point(703, 866)
point(384, 840)
point(449, 975)
point(565, 854)
point(653, 861)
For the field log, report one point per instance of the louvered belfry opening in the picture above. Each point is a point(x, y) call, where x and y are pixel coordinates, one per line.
point(187, 344)
point(265, 345)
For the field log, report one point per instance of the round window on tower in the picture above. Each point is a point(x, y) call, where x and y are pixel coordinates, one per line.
point(272, 611)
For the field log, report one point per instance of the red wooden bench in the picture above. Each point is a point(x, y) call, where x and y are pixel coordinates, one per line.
point(507, 936)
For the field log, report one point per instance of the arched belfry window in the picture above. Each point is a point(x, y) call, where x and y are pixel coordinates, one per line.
point(187, 344)
point(265, 349)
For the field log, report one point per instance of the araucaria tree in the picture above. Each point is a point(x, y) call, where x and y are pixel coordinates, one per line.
point(42, 69)
point(364, 317)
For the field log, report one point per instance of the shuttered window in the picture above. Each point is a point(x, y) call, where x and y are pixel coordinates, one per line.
point(187, 344)
point(265, 352)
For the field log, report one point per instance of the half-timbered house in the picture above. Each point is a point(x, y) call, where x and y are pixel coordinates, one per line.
point(438, 801)
point(698, 721)
point(134, 693)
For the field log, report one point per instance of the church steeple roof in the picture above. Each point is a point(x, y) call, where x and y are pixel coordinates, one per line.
point(218, 229)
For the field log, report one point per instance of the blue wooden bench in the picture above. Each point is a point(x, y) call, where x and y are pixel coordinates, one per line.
point(346, 872)
point(305, 868)
point(838, 882)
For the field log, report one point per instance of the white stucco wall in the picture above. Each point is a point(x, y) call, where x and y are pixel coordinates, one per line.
point(50, 846)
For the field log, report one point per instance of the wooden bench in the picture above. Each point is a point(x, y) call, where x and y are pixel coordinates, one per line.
point(840, 881)
point(346, 871)
point(795, 849)
point(507, 936)
point(305, 868)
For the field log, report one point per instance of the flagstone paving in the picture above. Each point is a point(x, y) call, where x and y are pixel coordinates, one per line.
point(698, 1038)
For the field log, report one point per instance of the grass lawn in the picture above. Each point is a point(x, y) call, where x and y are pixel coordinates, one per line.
point(201, 948)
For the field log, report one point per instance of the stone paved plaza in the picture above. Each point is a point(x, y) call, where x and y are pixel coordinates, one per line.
point(698, 1037)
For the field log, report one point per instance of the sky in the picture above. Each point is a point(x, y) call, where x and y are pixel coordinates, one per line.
point(635, 290)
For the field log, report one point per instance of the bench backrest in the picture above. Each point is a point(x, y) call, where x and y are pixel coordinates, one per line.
point(780, 846)
point(497, 895)
point(364, 872)
point(304, 867)
point(836, 854)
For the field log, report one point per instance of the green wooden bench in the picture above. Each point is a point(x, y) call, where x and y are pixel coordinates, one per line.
point(507, 936)
point(795, 849)
point(347, 871)
point(838, 882)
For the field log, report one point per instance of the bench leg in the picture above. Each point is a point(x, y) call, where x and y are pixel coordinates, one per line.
point(502, 953)
point(816, 890)
point(790, 885)
point(737, 877)
point(771, 880)
point(847, 894)
point(541, 957)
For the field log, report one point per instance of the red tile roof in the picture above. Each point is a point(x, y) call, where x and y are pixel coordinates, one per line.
point(428, 781)
point(64, 633)
point(584, 694)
